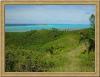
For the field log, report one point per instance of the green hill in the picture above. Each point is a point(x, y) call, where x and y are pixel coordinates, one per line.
point(47, 51)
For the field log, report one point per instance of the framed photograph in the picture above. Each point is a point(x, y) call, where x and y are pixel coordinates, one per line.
point(49, 38)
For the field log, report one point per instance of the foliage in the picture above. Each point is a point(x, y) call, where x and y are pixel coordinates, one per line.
point(87, 61)
point(89, 36)
point(42, 51)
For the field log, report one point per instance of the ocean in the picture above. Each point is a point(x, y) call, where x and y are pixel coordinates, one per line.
point(29, 27)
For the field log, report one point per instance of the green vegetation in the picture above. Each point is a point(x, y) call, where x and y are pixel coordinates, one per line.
point(89, 37)
point(51, 50)
point(47, 50)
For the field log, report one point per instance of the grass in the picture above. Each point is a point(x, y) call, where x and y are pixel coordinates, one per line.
point(47, 51)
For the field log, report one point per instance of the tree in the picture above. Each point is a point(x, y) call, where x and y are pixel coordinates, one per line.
point(91, 33)
point(89, 37)
point(92, 29)
point(92, 20)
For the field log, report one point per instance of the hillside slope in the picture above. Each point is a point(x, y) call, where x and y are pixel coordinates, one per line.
point(47, 50)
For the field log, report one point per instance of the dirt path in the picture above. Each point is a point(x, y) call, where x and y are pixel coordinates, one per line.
point(74, 60)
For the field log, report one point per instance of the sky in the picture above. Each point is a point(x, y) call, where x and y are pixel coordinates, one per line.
point(48, 14)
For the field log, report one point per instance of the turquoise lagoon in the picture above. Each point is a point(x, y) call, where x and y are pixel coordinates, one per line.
point(29, 27)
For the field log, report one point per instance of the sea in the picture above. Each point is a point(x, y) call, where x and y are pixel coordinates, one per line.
point(29, 27)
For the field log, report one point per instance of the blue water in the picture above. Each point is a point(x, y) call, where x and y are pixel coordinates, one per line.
point(28, 27)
